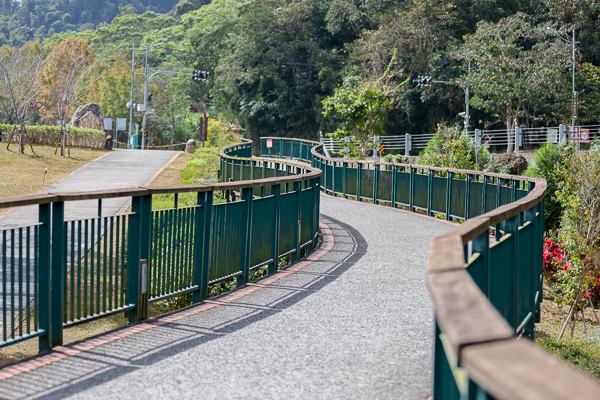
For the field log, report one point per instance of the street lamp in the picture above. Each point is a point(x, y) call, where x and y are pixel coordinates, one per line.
point(133, 50)
point(567, 41)
point(148, 48)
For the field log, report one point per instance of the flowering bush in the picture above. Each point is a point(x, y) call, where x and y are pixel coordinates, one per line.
point(553, 257)
point(578, 192)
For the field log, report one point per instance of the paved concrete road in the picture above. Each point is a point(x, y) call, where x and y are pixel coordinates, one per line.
point(355, 324)
point(118, 169)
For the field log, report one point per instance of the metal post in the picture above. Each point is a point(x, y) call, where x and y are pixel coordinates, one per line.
point(517, 138)
point(45, 288)
point(573, 119)
point(147, 81)
point(133, 258)
point(562, 134)
point(132, 82)
point(407, 144)
point(467, 116)
point(202, 245)
point(449, 177)
point(275, 191)
point(247, 196)
point(57, 274)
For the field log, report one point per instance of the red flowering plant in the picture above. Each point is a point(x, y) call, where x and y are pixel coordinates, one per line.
point(553, 257)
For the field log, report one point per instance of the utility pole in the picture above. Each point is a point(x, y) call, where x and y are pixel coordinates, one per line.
point(573, 94)
point(132, 82)
point(146, 88)
point(467, 115)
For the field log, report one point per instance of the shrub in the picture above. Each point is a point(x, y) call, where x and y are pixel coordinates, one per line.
point(449, 148)
point(509, 163)
point(50, 135)
point(542, 165)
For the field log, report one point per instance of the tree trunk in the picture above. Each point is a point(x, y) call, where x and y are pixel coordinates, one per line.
point(510, 134)
point(62, 141)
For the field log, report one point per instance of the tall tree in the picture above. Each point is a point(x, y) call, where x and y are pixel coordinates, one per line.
point(65, 79)
point(19, 69)
point(515, 69)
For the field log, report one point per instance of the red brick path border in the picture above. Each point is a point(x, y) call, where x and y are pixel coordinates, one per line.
point(62, 352)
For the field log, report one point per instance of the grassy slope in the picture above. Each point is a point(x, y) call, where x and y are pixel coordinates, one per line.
point(583, 351)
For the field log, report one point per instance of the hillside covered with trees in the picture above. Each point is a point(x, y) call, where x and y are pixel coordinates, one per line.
point(272, 63)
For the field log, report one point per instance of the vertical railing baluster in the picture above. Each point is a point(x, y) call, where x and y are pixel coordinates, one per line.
point(79, 256)
point(275, 191)
point(72, 272)
point(20, 280)
point(133, 258)
point(430, 176)
point(98, 245)
point(86, 270)
point(247, 197)
point(45, 285)
point(394, 184)
point(28, 279)
point(358, 180)
point(202, 244)
point(111, 266)
point(449, 176)
point(92, 264)
point(376, 183)
point(58, 272)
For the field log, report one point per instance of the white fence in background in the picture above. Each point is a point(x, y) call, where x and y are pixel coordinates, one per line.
point(525, 138)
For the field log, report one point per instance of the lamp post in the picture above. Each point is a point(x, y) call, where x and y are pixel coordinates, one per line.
point(133, 50)
point(146, 87)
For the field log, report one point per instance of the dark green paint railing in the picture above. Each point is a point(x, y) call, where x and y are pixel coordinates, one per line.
point(485, 276)
point(58, 273)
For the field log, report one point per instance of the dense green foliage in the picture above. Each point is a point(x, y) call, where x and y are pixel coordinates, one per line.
point(273, 62)
point(22, 21)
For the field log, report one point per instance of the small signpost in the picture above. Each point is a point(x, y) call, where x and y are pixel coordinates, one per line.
point(197, 108)
point(574, 104)
point(108, 125)
point(38, 105)
point(270, 146)
point(584, 135)
point(574, 132)
point(31, 104)
point(203, 128)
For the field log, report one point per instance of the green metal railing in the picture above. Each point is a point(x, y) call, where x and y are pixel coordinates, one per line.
point(57, 272)
point(484, 276)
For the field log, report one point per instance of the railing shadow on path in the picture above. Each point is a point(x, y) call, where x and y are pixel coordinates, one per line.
point(102, 364)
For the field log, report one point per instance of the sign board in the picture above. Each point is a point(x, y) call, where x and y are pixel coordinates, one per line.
point(584, 135)
point(31, 103)
point(269, 143)
point(574, 105)
point(121, 124)
point(38, 105)
point(552, 135)
point(141, 108)
point(574, 132)
point(197, 108)
point(108, 124)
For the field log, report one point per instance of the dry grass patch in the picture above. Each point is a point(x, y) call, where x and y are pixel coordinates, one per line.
point(24, 174)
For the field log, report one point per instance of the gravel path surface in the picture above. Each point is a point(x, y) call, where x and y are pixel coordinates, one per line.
point(355, 324)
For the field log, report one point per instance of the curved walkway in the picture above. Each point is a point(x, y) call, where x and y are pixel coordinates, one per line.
point(354, 320)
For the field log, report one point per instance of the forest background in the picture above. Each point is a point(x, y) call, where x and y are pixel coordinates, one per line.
point(273, 62)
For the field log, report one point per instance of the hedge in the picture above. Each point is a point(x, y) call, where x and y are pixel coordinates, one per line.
point(50, 135)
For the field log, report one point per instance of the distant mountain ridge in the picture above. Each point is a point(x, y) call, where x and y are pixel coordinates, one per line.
point(30, 19)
